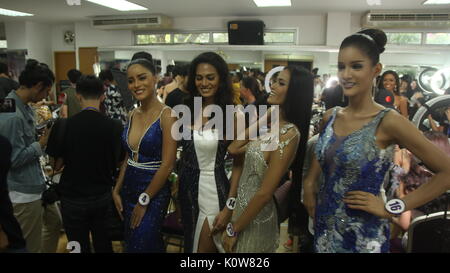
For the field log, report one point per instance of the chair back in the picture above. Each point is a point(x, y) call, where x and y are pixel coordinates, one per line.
point(430, 234)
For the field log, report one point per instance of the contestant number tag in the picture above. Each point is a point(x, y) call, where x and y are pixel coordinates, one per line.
point(395, 206)
point(231, 203)
point(144, 199)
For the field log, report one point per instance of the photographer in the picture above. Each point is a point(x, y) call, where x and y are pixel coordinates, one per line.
point(25, 178)
point(443, 121)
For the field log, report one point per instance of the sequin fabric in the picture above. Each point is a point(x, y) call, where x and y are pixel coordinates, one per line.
point(188, 177)
point(146, 237)
point(114, 105)
point(350, 163)
point(262, 234)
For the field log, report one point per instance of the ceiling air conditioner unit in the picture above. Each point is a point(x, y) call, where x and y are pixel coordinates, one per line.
point(136, 22)
point(405, 19)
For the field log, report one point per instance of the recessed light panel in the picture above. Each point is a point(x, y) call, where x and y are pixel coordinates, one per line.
point(121, 5)
point(8, 12)
point(273, 3)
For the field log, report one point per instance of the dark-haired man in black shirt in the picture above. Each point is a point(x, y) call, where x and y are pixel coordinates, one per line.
point(90, 150)
point(179, 94)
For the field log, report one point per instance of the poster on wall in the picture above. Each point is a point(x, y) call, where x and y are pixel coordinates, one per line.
point(16, 60)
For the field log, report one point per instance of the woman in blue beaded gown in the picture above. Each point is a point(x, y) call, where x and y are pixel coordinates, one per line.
point(141, 194)
point(254, 227)
point(355, 151)
point(203, 184)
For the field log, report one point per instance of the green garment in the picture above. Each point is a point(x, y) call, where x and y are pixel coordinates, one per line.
point(73, 106)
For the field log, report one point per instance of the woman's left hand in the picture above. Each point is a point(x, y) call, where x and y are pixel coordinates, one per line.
point(221, 221)
point(228, 242)
point(367, 202)
point(137, 215)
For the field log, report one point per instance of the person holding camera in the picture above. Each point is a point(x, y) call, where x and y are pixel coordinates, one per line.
point(443, 125)
point(88, 146)
point(25, 180)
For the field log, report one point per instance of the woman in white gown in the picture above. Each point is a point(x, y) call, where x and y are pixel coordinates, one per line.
point(203, 184)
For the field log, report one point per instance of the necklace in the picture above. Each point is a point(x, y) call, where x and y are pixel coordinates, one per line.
point(90, 108)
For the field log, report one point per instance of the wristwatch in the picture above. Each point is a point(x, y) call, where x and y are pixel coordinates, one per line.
point(395, 206)
point(231, 203)
point(144, 199)
point(230, 230)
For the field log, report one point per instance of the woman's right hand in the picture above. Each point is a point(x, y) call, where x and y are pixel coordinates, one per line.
point(118, 203)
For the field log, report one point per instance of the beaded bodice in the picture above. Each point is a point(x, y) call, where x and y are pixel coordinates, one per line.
point(266, 222)
point(350, 163)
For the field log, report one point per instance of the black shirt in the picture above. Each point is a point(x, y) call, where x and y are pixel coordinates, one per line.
point(7, 220)
point(334, 96)
point(385, 98)
point(176, 97)
point(6, 86)
point(91, 149)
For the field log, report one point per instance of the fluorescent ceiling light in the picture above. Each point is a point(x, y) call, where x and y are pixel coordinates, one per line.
point(121, 5)
point(436, 2)
point(8, 12)
point(273, 3)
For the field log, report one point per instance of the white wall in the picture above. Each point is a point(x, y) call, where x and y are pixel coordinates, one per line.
point(16, 35)
point(39, 42)
point(87, 36)
point(355, 24)
point(58, 43)
point(311, 27)
point(321, 61)
point(338, 27)
point(35, 37)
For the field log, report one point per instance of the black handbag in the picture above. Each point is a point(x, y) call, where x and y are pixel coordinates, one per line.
point(51, 194)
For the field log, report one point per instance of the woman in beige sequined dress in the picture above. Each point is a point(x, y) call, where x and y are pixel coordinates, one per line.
point(254, 227)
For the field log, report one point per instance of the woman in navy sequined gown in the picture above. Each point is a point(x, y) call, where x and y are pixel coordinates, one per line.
point(151, 156)
point(355, 152)
point(203, 184)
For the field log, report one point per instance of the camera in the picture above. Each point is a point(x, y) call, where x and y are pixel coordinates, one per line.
point(7, 106)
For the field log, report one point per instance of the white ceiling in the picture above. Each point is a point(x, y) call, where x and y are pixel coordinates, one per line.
point(53, 11)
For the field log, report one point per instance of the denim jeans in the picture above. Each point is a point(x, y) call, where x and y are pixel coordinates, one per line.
point(84, 216)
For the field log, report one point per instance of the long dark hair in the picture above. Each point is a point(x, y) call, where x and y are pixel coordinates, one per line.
point(397, 81)
point(252, 84)
point(224, 95)
point(297, 109)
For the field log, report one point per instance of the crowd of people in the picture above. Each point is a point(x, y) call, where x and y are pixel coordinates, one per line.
point(346, 175)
